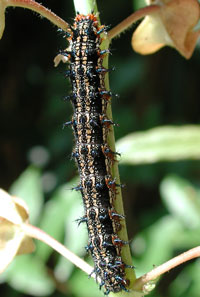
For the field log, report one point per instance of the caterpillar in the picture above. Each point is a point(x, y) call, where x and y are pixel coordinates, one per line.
point(93, 156)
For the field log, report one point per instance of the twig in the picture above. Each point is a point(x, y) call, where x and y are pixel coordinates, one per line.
point(155, 273)
point(37, 233)
point(134, 17)
point(43, 11)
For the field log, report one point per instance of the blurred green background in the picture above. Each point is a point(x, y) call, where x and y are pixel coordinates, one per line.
point(162, 193)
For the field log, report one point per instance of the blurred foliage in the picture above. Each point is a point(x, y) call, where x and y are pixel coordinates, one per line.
point(162, 200)
point(167, 143)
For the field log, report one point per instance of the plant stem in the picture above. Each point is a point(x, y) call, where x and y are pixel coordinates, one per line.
point(118, 203)
point(134, 17)
point(85, 6)
point(43, 11)
point(37, 233)
point(155, 273)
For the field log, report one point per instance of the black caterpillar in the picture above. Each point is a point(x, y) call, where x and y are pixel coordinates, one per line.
point(92, 153)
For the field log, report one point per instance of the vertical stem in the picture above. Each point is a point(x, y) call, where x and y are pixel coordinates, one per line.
point(118, 203)
point(85, 7)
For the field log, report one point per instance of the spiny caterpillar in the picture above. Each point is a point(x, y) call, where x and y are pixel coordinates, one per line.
point(92, 153)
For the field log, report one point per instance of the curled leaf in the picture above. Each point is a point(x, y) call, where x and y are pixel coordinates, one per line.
point(173, 25)
point(13, 240)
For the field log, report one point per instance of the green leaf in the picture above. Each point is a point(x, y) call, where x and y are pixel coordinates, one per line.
point(137, 4)
point(55, 214)
point(84, 287)
point(167, 143)
point(187, 282)
point(27, 274)
point(28, 187)
point(182, 200)
point(156, 244)
point(59, 221)
point(76, 238)
point(187, 239)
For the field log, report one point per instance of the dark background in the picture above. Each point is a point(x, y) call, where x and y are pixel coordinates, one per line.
point(159, 89)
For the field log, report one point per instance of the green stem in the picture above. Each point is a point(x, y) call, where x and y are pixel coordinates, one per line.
point(118, 203)
point(85, 7)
